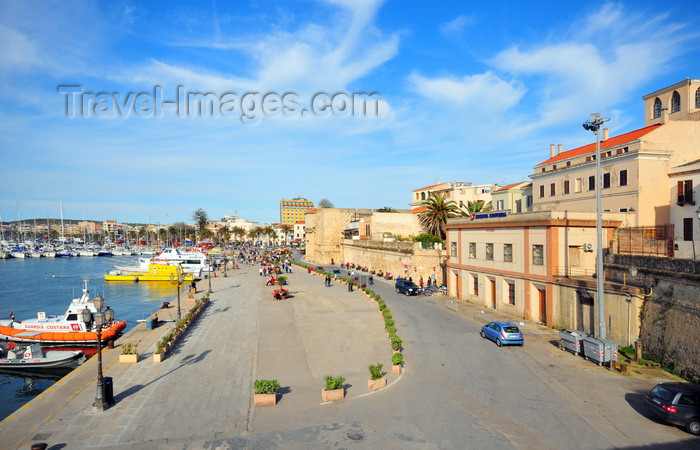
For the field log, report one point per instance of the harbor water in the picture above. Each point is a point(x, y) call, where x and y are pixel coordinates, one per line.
point(32, 285)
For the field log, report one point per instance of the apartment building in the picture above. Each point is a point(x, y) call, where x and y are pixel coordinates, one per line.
point(458, 191)
point(292, 211)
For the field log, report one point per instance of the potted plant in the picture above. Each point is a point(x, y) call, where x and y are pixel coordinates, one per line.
point(129, 353)
point(281, 280)
point(396, 343)
point(265, 392)
point(397, 361)
point(376, 377)
point(334, 389)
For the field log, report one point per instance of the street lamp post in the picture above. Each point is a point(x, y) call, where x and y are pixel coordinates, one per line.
point(593, 124)
point(209, 263)
point(100, 318)
point(178, 282)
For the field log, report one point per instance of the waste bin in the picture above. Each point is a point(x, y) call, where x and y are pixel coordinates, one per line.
point(149, 323)
point(108, 390)
point(571, 340)
point(598, 350)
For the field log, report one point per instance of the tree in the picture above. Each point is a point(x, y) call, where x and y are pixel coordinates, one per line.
point(286, 228)
point(255, 233)
point(388, 209)
point(200, 219)
point(238, 231)
point(223, 234)
point(476, 206)
point(438, 210)
point(268, 231)
point(325, 203)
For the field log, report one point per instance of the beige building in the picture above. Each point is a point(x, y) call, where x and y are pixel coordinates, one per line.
point(458, 191)
point(634, 165)
point(515, 198)
point(292, 211)
point(685, 209)
point(539, 266)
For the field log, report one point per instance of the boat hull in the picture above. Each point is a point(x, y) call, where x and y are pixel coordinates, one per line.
point(60, 338)
point(55, 361)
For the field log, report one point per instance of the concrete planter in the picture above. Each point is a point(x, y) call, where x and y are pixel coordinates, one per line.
point(332, 394)
point(396, 369)
point(129, 359)
point(265, 399)
point(158, 357)
point(375, 385)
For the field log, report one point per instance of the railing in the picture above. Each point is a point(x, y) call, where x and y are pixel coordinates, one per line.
point(644, 241)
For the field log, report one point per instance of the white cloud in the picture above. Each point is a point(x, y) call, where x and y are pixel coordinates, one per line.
point(456, 25)
point(485, 92)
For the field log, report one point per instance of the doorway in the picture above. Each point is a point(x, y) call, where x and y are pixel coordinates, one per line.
point(543, 305)
point(493, 293)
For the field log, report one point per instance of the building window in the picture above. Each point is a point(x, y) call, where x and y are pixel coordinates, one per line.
point(453, 249)
point(472, 250)
point(542, 191)
point(500, 205)
point(528, 201)
point(422, 195)
point(697, 98)
point(623, 178)
point(685, 192)
point(511, 293)
point(606, 180)
point(475, 284)
point(508, 252)
point(538, 255)
point(688, 229)
point(578, 182)
point(566, 186)
point(489, 251)
point(675, 102)
point(552, 190)
point(657, 108)
point(591, 183)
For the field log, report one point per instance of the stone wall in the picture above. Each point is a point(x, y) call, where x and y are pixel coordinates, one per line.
point(397, 258)
point(670, 317)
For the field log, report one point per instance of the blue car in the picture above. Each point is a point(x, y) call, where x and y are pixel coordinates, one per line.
point(502, 333)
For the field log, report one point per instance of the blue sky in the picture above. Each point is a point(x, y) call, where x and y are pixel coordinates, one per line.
point(471, 91)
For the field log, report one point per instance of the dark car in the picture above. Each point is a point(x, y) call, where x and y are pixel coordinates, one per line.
point(677, 404)
point(336, 272)
point(406, 287)
point(502, 333)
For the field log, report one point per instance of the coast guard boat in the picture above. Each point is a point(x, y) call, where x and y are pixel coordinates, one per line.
point(68, 329)
point(32, 357)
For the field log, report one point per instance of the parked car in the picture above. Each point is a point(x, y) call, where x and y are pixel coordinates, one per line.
point(336, 272)
point(406, 287)
point(677, 404)
point(502, 333)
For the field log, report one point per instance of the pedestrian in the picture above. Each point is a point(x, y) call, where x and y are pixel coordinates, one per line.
point(430, 282)
point(420, 283)
point(261, 271)
point(371, 280)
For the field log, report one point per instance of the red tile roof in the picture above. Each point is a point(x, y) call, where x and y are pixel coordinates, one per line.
point(429, 187)
point(311, 211)
point(505, 188)
point(611, 142)
point(419, 209)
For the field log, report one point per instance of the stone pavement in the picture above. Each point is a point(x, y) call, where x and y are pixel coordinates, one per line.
point(202, 391)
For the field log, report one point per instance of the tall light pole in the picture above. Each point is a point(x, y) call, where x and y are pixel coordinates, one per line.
point(100, 319)
point(178, 282)
point(593, 124)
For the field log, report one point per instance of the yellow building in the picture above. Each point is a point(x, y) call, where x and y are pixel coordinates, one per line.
point(292, 211)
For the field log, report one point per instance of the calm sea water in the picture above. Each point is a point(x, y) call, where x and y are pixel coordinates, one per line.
point(31, 285)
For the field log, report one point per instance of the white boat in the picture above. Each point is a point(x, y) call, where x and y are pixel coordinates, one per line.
point(33, 357)
point(86, 253)
point(191, 262)
point(49, 254)
point(17, 254)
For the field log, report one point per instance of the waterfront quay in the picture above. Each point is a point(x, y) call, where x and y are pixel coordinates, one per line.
point(201, 395)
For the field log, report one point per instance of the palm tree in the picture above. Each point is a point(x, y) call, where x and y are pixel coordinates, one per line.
point(388, 209)
point(223, 234)
point(254, 233)
point(438, 210)
point(238, 231)
point(286, 228)
point(268, 231)
point(476, 206)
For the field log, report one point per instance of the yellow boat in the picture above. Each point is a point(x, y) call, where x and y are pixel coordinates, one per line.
point(156, 272)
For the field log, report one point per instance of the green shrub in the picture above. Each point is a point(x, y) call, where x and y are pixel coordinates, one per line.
point(375, 371)
point(388, 323)
point(396, 342)
point(391, 329)
point(266, 386)
point(333, 383)
point(397, 359)
point(129, 348)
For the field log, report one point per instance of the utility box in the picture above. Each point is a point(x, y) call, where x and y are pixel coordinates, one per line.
point(571, 340)
point(149, 323)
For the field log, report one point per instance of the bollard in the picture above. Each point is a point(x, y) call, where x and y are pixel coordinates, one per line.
point(623, 368)
point(613, 365)
point(637, 350)
point(110, 344)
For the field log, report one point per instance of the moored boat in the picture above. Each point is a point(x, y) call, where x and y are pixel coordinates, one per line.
point(155, 272)
point(33, 357)
point(68, 329)
point(191, 262)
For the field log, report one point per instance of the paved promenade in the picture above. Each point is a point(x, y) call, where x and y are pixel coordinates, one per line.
point(200, 396)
